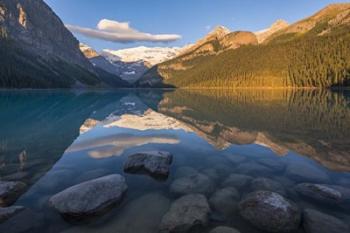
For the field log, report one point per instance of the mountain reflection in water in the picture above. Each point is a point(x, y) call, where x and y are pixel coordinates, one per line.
point(52, 140)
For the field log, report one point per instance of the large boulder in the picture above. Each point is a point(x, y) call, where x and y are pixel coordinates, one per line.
point(197, 183)
point(186, 213)
point(91, 197)
point(320, 193)
point(305, 172)
point(266, 184)
point(224, 230)
point(270, 212)
point(317, 222)
point(225, 200)
point(10, 191)
point(156, 163)
point(237, 181)
point(8, 212)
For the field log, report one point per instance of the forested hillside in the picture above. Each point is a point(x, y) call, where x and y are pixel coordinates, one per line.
point(316, 56)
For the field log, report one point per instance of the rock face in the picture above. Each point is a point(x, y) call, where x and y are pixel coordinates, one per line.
point(38, 51)
point(320, 193)
point(224, 230)
point(10, 191)
point(156, 163)
point(317, 222)
point(270, 212)
point(90, 197)
point(8, 212)
point(185, 214)
point(197, 183)
point(235, 40)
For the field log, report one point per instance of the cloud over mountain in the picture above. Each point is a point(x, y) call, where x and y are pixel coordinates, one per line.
point(115, 31)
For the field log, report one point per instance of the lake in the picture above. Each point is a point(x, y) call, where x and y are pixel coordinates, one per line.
point(246, 140)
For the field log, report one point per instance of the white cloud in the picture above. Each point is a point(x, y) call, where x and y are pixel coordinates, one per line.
point(208, 27)
point(115, 31)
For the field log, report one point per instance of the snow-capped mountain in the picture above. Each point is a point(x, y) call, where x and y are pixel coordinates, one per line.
point(150, 56)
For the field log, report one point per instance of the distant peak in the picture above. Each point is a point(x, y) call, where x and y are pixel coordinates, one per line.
point(220, 30)
point(279, 23)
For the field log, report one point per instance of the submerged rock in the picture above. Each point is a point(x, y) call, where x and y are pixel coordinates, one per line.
point(304, 172)
point(140, 215)
point(91, 197)
point(8, 212)
point(237, 180)
point(211, 173)
point(156, 163)
point(225, 200)
point(270, 212)
point(266, 184)
point(23, 222)
point(253, 168)
point(317, 222)
point(16, 176)
point(224, 230)
point(10, 191)
point(275, 164)
point(186, 213)
point(185, 171)
point(236, 159)
point(197, 183)
point(319, 192)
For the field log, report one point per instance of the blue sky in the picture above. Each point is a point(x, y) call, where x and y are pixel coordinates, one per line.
point(190, 19)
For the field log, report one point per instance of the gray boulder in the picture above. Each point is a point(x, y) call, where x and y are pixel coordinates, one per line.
point(10, 191)
point(237, 181)
point(270, 212)
point(224, 230)
point(317, 222)
point(197, 183)
point(156, 163)
point(319, 192)
point(266, 184)
point(8, 212)
point(91, 197)
point(225, 200)
point(188, 212)
point(304, 172)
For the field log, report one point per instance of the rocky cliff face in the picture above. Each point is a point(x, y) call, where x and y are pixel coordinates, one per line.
point(38, 51)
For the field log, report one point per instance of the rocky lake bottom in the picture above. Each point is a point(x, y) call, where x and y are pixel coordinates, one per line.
point(175, 161)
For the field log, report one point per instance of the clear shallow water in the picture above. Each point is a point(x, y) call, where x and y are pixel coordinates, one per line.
point(202, 129)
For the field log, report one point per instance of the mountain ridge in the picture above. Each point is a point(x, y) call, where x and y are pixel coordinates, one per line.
point(313, 52)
